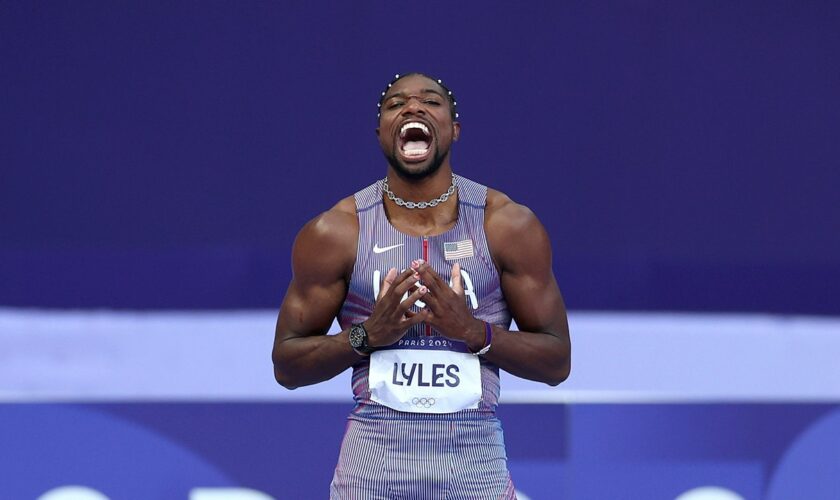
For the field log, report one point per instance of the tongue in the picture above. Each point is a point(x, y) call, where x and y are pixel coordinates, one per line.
point(415, 146)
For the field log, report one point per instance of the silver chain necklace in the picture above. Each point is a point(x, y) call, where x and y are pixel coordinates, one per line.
point(422, 204)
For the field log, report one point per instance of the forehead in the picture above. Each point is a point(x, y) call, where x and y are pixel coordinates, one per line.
point(414, 84)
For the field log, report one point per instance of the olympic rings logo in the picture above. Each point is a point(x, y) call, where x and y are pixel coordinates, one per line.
point(423, 402)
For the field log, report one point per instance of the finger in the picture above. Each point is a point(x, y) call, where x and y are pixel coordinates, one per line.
point(457, 285)
point(398, 285)
point(387, 282)
point(417, 317)
point(414, 297)
point(431, 300)
point(429, 277)
point(404, 275)
point(407, 285)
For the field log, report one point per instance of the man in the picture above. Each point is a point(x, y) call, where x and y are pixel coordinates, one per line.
point(424, 270)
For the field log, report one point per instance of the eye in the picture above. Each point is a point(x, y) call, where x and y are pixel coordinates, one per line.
point(394, 104)
point(431, 102)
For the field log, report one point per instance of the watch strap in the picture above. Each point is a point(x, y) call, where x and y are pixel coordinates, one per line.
point(362, 348)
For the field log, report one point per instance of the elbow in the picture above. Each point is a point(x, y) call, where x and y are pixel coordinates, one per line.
point(560, 375)
point(284, 379)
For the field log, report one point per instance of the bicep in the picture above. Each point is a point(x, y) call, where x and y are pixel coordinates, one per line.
point(321, 259)
point(535, 302)
point(527, 278)
point(309, 309)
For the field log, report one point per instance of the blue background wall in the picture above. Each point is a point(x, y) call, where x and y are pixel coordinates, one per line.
point(162, 155)
point(652, 452)
point(683, 155)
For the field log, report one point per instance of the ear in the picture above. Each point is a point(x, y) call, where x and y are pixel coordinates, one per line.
point(377, 131)
point(456, 130)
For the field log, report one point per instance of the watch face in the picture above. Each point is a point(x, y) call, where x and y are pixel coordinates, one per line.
point(357, 337)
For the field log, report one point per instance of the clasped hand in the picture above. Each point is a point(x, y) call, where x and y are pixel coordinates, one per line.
point(445, 307)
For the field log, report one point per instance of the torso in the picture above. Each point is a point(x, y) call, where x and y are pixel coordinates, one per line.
point(382, 246)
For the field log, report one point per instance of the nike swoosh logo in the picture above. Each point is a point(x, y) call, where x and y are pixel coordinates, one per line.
point(378, 249)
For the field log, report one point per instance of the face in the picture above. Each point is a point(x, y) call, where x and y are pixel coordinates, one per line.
point(416, 130)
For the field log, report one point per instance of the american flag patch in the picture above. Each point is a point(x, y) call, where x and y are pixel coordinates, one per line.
point(458, 250)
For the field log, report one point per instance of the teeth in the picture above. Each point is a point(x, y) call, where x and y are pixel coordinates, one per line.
point(411, 125)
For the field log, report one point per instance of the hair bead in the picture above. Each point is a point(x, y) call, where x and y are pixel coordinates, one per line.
point(397, 76)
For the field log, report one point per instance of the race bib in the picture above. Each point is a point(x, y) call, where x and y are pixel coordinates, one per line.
point(424, 376)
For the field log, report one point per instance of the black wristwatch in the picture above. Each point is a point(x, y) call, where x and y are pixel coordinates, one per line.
point(359, 339)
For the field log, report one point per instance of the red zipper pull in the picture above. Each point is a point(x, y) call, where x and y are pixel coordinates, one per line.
point(426, 258)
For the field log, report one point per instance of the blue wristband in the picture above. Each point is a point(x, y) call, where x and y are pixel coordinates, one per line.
point(488, 339)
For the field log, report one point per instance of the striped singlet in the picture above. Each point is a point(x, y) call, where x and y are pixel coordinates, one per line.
point(392, 454)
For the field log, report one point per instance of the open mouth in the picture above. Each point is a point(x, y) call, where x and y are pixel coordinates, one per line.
point(415, 140)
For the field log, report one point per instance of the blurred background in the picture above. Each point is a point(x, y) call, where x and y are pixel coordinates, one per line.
point(158, 158)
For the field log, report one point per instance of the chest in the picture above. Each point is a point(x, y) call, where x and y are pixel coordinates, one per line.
point(441, 252)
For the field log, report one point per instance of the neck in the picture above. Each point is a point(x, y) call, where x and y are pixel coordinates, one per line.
point(422, 189)
point(422, 222)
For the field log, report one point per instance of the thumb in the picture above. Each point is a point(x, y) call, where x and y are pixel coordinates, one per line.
point(388, 282)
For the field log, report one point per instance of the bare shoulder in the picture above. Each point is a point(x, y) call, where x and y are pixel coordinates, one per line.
point(505, 215)
point(513, 231)
point(327, 243)
point(334, 225)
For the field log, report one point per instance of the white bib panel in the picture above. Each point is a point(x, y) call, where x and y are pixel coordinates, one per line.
point(425, 380)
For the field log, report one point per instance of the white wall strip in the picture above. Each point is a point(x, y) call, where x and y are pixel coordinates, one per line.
point(225, 356)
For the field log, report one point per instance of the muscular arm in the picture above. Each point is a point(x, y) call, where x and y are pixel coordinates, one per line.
point(322, 261)
point(541, 350)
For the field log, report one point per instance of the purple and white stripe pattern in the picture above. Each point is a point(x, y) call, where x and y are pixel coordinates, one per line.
point(386, 459)
point(392, 454)
point(485, 298)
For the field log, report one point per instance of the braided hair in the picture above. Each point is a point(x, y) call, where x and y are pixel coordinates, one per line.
point(453, 105)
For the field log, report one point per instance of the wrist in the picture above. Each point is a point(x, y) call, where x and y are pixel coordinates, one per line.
point(368, 330)
point(358, 339)
point(483, 339)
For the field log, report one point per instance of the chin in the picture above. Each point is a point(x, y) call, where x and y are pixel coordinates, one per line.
point(415, 171)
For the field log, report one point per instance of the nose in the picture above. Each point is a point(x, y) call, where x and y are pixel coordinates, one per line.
point(413, 105)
